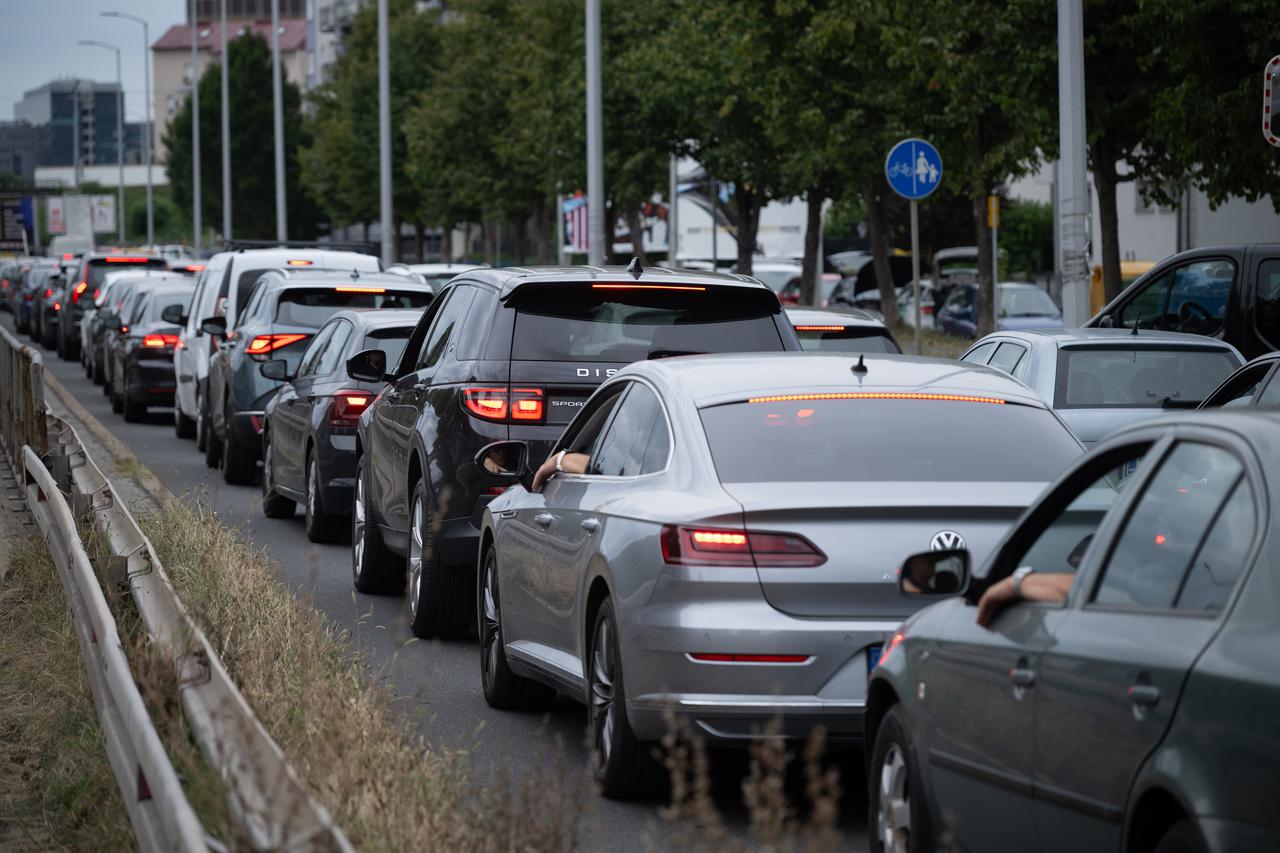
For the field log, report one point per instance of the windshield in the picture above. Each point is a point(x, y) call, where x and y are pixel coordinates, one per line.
point(311, 306)
point(1025, 302)
point(99, 267)
point(162, 301)
point(1140, 377)
point(885, 441)
point(622, 324)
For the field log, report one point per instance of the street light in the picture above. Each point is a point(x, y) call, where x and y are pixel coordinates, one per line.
point(119, 134)
point(146, 138)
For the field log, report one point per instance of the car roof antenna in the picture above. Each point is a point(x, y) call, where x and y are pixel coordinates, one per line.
point(634, 268)
point(355, 275)
point(861, 366)
point(1135, 327)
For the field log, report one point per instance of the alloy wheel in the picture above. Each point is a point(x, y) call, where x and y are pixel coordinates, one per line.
point(357, 527)
point(893, 821)
point(415, 556)
point(603, 672)
point(312, 502)
point(491, 627)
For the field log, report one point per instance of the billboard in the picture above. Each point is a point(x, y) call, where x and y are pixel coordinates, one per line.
point(17, 221)
point(103, 212)
point(57, 214)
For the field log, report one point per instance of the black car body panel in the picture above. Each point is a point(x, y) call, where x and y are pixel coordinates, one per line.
point(142, 357)
point(91, 271)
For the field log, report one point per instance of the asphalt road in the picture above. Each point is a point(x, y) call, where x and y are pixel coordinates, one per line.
point(436, 684)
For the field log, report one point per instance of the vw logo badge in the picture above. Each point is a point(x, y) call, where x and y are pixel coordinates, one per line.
point(946, 540)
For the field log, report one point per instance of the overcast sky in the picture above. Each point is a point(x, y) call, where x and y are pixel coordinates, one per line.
point(38, 44)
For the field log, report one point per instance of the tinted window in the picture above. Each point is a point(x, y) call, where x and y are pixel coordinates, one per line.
point(1267, 302)
point(312, 356)
point(980, 353)
point(1007, 357)
point(472, 338)
point(1240, 388)
point(1190, 298)
point(961, 299)
point(99, 268)
point(1139, 378)
point(582, 323)
point(1025, 302)
point(622, 450)
point(311, 306)
point(1270, 395)
point(391, 341)
point(139, 308)
point(445, 322)
point(884, 441)
point(161, 301)
point(848, 339)
point(244, 286)
point(1221, 558)
point(333, 351)
point(1168, 523)
point(585, 429)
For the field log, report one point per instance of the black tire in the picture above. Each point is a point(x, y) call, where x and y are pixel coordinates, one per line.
point(440, 597)
point(48, 339)
point(320, 524)
point(202, 425)
point(239, 464)
point(117, 400)
point(624, 767)
point(502, 687)
point(212, 444)
point(183, 426)
point(133, 412)
point(895, 767)
point(375, 568)
point(99, 374)
point(1182, 837)
point(274, 504)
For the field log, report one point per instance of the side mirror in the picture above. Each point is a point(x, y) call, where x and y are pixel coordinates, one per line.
point(277, 369)
point(368, 366)
point(935, 574)
point(216, 326)
point(173, 314)
point(506, 460)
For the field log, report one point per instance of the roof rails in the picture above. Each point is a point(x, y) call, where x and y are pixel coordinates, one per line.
point(337, 246)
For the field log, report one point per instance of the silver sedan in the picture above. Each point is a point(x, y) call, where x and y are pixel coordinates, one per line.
point(729, 553)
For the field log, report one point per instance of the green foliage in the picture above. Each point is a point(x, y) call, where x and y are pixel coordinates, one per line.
point(1026, 235)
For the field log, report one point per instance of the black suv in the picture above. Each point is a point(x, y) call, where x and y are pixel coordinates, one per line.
point(92, 271)
point(512, 354)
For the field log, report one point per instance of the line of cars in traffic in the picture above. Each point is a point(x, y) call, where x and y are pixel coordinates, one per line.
point(641, 492)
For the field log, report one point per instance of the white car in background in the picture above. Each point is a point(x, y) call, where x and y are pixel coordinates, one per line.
point(435, 275)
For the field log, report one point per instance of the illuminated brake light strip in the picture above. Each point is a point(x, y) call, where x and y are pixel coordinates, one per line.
point(647, 287)
point(820, 328)
point(360, 289)
point(875, 395)
point(127, 260)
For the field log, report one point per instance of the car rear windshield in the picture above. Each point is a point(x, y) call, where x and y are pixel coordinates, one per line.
point(877, 440)
point(99, 267)
point(1025, 302)
point(623, 324)
point(391, 341)
point(311, 306)
point(161, 301)
point(848, 339)
point(1095, 378)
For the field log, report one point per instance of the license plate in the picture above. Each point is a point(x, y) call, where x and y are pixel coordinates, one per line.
point(873, 659)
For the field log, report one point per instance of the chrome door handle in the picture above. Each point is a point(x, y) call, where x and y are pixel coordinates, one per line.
point(1022, 676)
point(591, 525)
point(421, 386)
point(1144, 694)
point(543, 519)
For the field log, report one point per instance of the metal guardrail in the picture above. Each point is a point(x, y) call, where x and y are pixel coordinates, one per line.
point(162, 818)
point(22, 414)
point(270, 803)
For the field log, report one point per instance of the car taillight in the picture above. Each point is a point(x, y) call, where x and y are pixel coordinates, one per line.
point(57, 306)
point(160, 341)
point(519, 405)
point(346, 407)
point(696, 546)
point(926, 309)
point(48, 291)
point(79, 291)
point(894, 642)
point(268, 343)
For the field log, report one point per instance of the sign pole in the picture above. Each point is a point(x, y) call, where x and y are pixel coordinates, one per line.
point(915, 271)
point(993, 222)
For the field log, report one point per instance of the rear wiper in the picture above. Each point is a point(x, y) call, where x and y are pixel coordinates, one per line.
point(669, 353)
point(1171, 403)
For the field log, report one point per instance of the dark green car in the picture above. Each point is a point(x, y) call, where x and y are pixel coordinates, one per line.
point(1143, 713)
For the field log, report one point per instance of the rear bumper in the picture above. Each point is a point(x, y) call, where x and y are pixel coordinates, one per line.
point(150, 381)
point(246, 429)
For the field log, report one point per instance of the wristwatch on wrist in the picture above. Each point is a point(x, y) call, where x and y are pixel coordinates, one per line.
point(560, 459)
point(1018, 575)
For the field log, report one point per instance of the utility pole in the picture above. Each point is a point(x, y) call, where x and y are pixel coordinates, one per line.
point(146, 137)
point(384, 138)
point(197, 225)
point(1074, 201)
point(226, 130)
point(277, 107)
point(595, 141)
point(673, 214)
point(75, 133)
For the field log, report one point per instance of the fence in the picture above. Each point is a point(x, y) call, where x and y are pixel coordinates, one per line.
point(22, 409)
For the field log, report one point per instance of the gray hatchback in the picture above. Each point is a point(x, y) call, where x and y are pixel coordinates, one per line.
point(1135, 709)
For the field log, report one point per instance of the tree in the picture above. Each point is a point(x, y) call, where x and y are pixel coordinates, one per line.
point(252, 151)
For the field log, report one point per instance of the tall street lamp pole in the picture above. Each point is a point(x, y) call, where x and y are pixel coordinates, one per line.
point(146, 137)
point(389, 238)
point(226, 131)
point(277, 107)
point(119, 134)
point(197, 225)
point(1074, 201)
point(596, 249)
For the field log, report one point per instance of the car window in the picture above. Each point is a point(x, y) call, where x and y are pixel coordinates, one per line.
point(472, 337)
point(161, 301)
point(839, 338)
point(244, 287)
point(1007, 356)
point(1190, 298)
point(390, 340)
point(442, 329)
point(582, 432)
point(960, 299)
point(311, 357)
point(1270, 395)
point(1140, 377)
point(1239, 389)
point(1168, 523)
point(333, 351)
point(980, 353)
point(255, 304)
point(1026, 302)
point(139, 309)
point(1267, 302)
point(1222, 556)
point(622, 450)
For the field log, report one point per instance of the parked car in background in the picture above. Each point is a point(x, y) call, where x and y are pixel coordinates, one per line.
point(849, 330)
point(775, 273)
point(221, 288)
point(11, 273)
point(512, 353)
point(727, 556)
point(108, 316)
point(1021, 306)
point(1132, 706)
point(142, 353)
point(790, 293)
point(1227, 292)
point(277, 321)
point(1130, 271)
point(96, 313)
point(46, 309)
point(437, 275)
point(1255, 384)
point(309, 425)
point(907, 305)
point(85, 282)
point(30, 286)
point(1099, 380)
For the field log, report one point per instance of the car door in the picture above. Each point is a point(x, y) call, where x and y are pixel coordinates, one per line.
point(1265, 331)
point(1109, 682)
point(980, 683)
point(292, 414)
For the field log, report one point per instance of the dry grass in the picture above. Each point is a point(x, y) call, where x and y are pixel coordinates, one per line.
point(933, 343)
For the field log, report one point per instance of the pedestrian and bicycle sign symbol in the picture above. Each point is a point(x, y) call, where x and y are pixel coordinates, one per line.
point(914, 168)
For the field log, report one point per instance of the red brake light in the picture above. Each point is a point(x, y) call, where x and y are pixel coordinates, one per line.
point(194, 267)
point(79, 291)
point(819, 328)
point(926, 309)
point(48, 291)
point(268, 343)
point(360, 289)
point(524, 405)
point(894, 642)
point(67, 256)
point(647, 287)
point(874, 395)
point(296, 262)
point(688, 546)
point(160, 341)
point(346, 407)
point(57, 306)
point(127, 260)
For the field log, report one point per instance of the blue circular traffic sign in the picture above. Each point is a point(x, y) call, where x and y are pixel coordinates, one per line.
point(914, 168)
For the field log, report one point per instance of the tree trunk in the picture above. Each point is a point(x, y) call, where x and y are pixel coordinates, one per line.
point(880, 252)
point(1105, 178)
point(417, 242)
point(747, 203)
point(986, 281)
point(522, 233)
point(446, 244)
point(811, 269)
point(486, 238)
point(635, 224)
point(364, 230)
